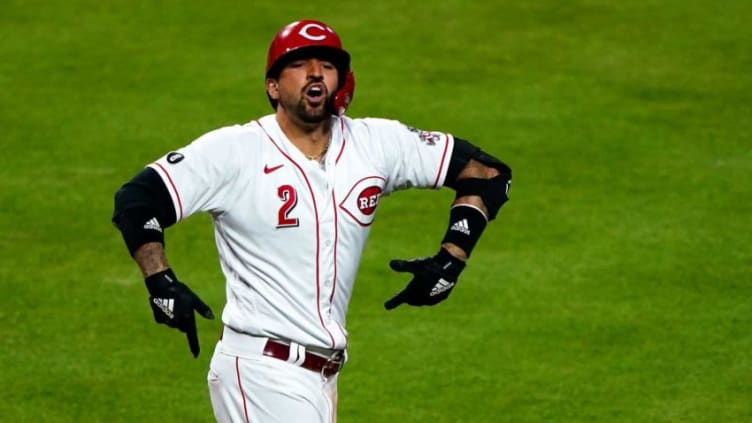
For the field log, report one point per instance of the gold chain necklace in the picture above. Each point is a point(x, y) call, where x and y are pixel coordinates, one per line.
point(319, 156)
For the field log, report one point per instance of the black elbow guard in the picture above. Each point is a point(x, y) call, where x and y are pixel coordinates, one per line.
point(143, 207)
point(138, 227)
point(493, 191)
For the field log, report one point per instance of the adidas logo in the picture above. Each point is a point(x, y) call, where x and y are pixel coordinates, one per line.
point(441, 286)
point(461, 226)
point(166, 305)
point(153, 224)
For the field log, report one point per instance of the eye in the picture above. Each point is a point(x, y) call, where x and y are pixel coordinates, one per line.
point(328, 65)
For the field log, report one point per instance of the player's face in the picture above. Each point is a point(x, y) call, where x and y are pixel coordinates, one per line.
point(305, 87)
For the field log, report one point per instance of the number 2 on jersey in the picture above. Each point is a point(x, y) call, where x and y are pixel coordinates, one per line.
point(289, 198)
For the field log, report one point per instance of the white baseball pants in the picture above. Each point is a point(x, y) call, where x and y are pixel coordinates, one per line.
point(247, 387)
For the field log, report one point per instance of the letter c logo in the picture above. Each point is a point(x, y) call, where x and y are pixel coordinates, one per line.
point(304, 32)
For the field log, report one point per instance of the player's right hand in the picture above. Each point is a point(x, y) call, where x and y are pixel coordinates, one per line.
point(173, 303)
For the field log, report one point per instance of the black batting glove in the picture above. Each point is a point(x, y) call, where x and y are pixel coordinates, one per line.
point(433, 279)
point(173, 303)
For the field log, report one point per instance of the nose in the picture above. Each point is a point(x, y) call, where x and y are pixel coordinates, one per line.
point(315, 69)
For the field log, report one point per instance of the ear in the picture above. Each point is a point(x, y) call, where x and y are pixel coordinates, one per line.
point(272, 88)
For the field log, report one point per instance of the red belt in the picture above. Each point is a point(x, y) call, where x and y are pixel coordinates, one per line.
point(326, 366)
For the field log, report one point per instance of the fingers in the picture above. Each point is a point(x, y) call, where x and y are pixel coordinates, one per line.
point(395, 301)
point(190, 328)
point(202, 308)
point(192, 335)
point(402, 265)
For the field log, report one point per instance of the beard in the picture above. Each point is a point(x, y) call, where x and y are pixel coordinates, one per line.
point(309, 114)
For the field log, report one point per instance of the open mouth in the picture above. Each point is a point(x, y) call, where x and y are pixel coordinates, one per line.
point(315, 94)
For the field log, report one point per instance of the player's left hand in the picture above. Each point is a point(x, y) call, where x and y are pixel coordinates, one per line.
point(433, 279)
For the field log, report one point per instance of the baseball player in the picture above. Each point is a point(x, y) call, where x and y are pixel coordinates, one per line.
point(292, 196)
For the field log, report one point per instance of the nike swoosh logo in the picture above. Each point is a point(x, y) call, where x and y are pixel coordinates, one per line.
point(269, 170)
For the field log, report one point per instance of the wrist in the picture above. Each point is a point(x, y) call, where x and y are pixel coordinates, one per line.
point(455, 251)
point(160, 279)
point(450, 265)
point(156, 271)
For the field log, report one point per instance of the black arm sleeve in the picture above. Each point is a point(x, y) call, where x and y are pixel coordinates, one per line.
point(140, 202)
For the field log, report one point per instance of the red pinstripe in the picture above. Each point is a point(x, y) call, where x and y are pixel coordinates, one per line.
point(441, 165)
point(336, 216)
point(336, 236)
point(174, 189)
point(342, 149)
point(240, 386)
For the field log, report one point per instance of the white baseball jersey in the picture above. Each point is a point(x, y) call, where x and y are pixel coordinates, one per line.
point(290, 231)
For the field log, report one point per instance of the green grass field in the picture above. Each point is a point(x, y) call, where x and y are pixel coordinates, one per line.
point(614, 287)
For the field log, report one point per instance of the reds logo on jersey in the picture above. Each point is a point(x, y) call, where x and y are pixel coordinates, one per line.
point(368, 199)
point(362, 200)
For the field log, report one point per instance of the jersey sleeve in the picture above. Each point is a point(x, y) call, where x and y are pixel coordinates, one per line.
point(200, 176)
point(412, 157)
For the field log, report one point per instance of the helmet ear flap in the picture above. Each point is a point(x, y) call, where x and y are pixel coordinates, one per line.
point(344, 96)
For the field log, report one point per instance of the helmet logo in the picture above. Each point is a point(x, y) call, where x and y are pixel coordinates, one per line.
point(305, 32)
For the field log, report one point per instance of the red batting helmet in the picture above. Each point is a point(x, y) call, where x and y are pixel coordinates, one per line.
point(312, 38)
